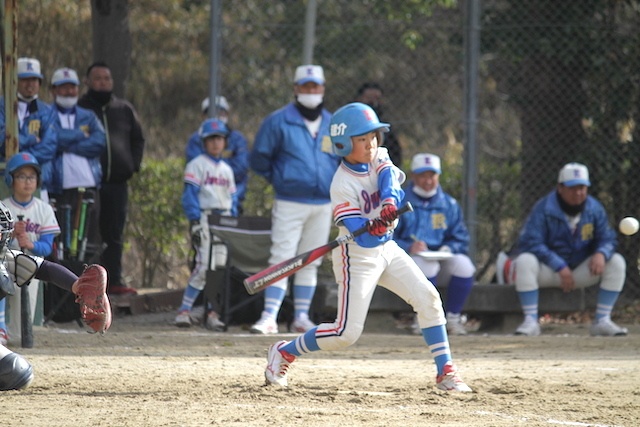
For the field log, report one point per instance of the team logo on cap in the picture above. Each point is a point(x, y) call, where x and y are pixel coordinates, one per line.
point(29, 66)
point(338, 129)
point(576, 173)
point(66, 74)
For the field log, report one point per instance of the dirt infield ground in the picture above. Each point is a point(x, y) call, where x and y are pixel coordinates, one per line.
point(146, 372)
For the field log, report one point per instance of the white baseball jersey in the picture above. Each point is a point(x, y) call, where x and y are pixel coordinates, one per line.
point(358, 270)
point(214, 180)
point(38, 215)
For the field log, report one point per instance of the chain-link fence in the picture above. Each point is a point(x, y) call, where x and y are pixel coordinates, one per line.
point(558, 83)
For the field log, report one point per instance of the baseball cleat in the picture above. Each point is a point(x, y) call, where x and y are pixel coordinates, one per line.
point(605, 327)
point(450, 380)
point(90, 290)
point(278, 363)
point(529, 327)
point(303, 324)
point(266, 325)
point(15, 372)
point(213, 322)
point(183, 319)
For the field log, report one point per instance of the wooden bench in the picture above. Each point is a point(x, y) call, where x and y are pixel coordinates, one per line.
point(497, 306)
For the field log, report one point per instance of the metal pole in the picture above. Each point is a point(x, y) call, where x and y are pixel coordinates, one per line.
point(214, 57)
point(10, 76)
point(309, 32)
point(472, 55)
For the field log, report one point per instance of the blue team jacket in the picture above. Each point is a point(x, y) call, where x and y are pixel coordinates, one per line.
point(235, 155)
point(547, 234)
point(74, 141)
point(38, 124)
point(299, 168)
point(438, 222)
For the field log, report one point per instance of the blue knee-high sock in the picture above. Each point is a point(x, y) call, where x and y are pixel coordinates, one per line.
point(189, 297)
point(606, 301)
point(302, 297)
point(438, 341)
point(459, 290)
point(3, 306)
point(273, 298)
point(529, 302)
point(305, 343)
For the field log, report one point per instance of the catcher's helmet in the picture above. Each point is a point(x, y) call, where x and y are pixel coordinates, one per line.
point(6, 226)
point(353, 119)
point(212, 127)
point(18, 161)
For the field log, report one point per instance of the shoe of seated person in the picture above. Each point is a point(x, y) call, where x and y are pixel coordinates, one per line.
point(455, 324)
point(530, 327)
point(606, 328)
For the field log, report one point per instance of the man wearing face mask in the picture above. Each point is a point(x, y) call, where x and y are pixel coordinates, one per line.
point(235, 153)
point(370, 93)
point(120, 160)
point(36, 132)
point(76, 169)
point(293, 151)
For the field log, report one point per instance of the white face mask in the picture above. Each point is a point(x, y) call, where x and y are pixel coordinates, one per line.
point(66, 101)
point(310, 100)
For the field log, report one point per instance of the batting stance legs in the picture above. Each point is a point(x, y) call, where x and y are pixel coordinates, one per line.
point(357, 271)
point(296, 228)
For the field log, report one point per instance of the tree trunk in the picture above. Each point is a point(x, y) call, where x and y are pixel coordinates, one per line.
point(112, 39)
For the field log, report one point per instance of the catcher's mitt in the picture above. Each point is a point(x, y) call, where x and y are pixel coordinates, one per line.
point(91, 294)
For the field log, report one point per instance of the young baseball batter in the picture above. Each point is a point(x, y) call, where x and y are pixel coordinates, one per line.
point(366, 190)
point(209, 188)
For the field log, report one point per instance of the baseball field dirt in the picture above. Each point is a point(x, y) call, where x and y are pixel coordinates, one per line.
point(147, 372)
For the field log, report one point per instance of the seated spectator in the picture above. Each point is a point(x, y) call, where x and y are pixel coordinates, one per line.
point(567, 243)
point(437, 225)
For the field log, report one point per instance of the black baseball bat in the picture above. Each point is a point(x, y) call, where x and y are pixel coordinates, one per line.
point(26, 327)
point(259, 281)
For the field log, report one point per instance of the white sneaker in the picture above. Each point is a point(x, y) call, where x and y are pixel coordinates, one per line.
point(277, 365)
point(213, 322)
point(183, 319)
point(266, 325)
point(529, 327)
point(455, 324)
point(450, 379)
point(606, 327)
point(303, 324)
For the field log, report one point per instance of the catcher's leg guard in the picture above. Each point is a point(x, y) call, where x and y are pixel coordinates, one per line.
point(15, 372)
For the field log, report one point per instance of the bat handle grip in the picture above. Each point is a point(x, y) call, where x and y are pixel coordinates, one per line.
point(360, 231)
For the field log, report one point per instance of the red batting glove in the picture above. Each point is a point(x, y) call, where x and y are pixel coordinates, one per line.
point(377, 227)
point(389, 213)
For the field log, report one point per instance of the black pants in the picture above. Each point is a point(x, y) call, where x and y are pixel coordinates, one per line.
point(114, 198)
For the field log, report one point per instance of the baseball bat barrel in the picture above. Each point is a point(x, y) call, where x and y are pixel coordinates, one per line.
point(257, 282)
point(26, 327)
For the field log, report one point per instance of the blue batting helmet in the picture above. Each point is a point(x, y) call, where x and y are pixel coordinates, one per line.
point(353, 119)
point(18, 161)
point(212, 127)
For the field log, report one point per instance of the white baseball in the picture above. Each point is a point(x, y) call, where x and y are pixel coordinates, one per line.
point(629, 225)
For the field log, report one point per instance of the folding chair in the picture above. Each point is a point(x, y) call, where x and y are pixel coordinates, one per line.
point(248, 243)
